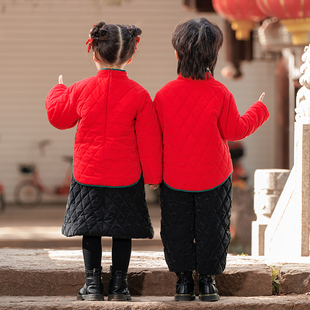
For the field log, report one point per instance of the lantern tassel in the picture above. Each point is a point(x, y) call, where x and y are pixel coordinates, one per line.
point(243, 29)
point(299, 29)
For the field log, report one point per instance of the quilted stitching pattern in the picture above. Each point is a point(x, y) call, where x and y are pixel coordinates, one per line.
point(104, 211)
point(197, 119)
point(118, 129)
point(212, 226)
point(195, 229)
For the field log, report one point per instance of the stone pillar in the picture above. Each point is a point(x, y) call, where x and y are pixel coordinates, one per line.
point(302, 183)
point(302, 152)
point(268, 186)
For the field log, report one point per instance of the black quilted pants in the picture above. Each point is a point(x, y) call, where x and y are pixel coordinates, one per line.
point(195, 228)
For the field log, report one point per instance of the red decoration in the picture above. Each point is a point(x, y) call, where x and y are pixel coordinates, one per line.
point(137, 41)
point(285, 9)
point(90, 43)
point(239, 10)
point(242, 14)
point(294, 14)
point(90, 40)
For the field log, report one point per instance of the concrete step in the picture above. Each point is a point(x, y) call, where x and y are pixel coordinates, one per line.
point(296, 302)
point(48, 272)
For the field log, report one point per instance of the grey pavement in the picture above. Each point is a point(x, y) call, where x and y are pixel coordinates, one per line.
point(40, 227)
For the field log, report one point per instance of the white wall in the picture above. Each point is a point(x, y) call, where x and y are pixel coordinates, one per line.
point(40, 39)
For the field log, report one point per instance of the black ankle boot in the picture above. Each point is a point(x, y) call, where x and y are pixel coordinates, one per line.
point(118, 288)
point(185, 287)
point(207, 288)
point(93, 288)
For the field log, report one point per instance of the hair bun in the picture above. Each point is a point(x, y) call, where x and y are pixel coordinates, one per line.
point(100, 31)
point(134, 31)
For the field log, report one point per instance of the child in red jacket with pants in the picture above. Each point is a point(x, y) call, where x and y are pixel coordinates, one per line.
point(197, 116)
point(118, 147)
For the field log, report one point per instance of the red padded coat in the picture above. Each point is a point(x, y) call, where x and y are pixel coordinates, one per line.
point(197, 118)
point(118, 130)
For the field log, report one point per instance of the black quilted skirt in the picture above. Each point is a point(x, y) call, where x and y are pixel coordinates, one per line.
point(107, 211)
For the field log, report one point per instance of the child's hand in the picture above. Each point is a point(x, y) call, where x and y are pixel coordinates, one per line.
point(60, 80)
point(153, 186)
point(261, 98)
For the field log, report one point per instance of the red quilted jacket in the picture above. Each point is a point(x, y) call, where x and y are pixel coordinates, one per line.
point(197, 118)
point(118, 129)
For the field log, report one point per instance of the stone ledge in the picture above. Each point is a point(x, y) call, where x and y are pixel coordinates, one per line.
point(296, 302)
point(51, 272)
point(54, 272)
point(295, 278)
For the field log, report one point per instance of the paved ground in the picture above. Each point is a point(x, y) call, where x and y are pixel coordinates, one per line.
point(40, 227)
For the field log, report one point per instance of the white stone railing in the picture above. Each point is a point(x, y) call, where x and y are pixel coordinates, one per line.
point(303, 95)
point(282, 229)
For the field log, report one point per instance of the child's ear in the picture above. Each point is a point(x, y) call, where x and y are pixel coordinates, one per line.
point(95, 58)
point(130, 60)
point(176, 55)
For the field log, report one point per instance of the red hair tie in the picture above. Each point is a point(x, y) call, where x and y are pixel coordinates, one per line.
point(90, 40)
point(90, 43)
point(137, 41)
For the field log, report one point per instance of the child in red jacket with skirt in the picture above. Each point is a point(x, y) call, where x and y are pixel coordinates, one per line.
point(118, 148)
point(198, 115)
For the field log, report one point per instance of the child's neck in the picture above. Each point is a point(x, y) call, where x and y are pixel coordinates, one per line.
point(105, 66)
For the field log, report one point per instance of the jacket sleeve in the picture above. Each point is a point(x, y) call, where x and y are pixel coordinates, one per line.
point(234, 126)
point(149, 139)
point(159, 110)
point(61, 106)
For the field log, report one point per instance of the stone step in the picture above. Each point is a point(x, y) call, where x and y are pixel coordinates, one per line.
point(297, 302)
point(48, 272)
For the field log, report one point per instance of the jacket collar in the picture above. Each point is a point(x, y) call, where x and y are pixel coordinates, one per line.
point(115, 73)
point(208, 76)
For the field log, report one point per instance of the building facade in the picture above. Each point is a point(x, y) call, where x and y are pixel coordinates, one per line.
point(41, 39)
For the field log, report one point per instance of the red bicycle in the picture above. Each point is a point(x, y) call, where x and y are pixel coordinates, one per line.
point(2, 200)
point(28, 193)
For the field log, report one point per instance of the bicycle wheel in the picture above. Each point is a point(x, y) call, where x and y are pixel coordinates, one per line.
point(2, 202)
point(27, 194)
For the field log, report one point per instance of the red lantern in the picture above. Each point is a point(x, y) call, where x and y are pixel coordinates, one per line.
point(294, 14)
point(243, 14)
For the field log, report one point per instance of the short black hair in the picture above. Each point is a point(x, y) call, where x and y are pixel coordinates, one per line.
point(197, 43)
point(114, 44)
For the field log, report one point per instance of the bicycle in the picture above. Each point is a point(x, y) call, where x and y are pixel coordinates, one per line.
point(28, 192)
point(2, 200)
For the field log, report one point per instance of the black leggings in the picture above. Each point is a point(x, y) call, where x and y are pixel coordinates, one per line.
point(92, 252)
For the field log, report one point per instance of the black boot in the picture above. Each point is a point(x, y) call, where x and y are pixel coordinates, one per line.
point(185, 287)
point(207, 288)
point(93, 288)
point(118, 287)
